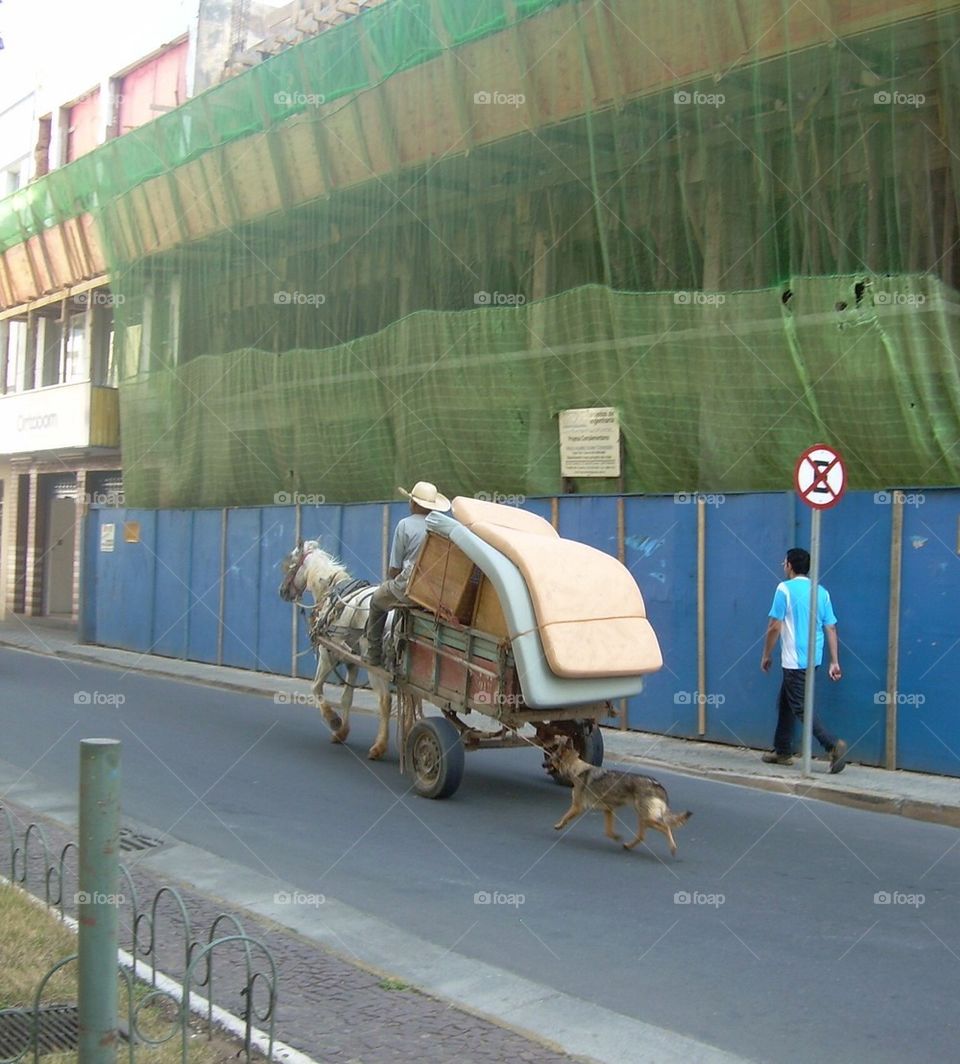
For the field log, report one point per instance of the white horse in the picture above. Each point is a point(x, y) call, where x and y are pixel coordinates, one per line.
point(343, 604)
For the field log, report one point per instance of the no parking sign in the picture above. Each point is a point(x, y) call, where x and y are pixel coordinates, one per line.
point(820, 477)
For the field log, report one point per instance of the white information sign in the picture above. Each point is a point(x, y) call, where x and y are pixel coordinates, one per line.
point(590, 442)
point(108, 536)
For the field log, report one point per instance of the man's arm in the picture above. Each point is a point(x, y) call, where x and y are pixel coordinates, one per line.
point(769, 642)
point(833, 645)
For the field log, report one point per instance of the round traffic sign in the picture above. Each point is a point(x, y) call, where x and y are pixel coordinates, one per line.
point(820, 477)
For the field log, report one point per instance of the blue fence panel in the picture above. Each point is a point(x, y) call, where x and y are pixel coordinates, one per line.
point(661, 552)
point(928, 724)
point(541, 507)
point(203, 624)
point(590, 520)
point(363, 538)
point(323, 523)
point(125, 588)
point(173, 582)
point(241, 610)
point(746, 539)
point(855, 569)
point(278, 536)
point(112, 591)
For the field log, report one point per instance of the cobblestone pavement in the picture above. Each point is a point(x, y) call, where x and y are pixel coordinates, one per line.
point(331, 1009)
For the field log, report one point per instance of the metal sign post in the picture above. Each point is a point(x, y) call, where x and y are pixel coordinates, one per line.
point(811, 641)
point(820, 479)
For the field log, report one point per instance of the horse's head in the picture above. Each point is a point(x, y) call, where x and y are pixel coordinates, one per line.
point(299, 576)
point(294, 581)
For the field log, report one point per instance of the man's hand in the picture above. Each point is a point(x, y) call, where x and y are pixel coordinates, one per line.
point(834, 644)
point(770, 638)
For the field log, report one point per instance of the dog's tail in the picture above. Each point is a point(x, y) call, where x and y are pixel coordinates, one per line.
point(675, 820)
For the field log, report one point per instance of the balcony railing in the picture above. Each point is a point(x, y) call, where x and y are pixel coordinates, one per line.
point(60, 417)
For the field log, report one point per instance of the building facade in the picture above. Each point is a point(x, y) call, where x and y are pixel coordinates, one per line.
point(401, 246)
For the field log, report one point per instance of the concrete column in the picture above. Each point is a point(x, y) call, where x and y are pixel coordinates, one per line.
point(33, 598)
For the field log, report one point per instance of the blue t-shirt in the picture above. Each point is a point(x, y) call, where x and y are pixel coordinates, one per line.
point(791, 605)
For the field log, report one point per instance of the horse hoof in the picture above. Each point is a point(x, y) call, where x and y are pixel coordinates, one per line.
point(376, 752)
point(340, 735)
point(334, 722)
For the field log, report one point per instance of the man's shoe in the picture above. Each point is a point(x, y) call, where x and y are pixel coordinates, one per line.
point(773, 758)
point(838, 757)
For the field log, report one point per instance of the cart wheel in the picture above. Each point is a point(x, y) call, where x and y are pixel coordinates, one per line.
point(588, 740)
point(435, 755)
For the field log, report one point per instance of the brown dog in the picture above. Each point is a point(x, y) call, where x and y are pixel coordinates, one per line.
point(606, 789)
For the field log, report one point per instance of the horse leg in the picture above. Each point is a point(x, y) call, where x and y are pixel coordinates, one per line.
point(339, 728)
point(346, 702)
point(379, 747)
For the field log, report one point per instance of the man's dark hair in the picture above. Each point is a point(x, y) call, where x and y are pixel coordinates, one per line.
point(798, 560)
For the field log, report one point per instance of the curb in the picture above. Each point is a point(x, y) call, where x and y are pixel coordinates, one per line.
point(163, 673)
point(911, 808)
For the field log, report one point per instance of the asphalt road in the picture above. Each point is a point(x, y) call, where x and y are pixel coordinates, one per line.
point(784, 930)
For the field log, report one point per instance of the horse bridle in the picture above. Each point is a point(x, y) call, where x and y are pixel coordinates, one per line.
point(290, 580)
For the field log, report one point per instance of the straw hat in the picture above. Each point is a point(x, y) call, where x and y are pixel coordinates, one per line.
point(426, 495)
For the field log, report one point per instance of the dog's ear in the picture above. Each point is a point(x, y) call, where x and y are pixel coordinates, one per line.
point(556, 745)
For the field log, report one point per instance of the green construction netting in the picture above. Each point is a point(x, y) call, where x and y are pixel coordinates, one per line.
point(351, 57)
point(400, 249)
point(712, 398)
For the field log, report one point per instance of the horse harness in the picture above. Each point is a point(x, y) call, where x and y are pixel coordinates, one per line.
point(325, 615)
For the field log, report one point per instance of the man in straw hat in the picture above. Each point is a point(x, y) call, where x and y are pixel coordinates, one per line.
point(407, 541)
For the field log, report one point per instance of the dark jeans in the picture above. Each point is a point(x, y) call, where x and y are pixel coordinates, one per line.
point(790, 708)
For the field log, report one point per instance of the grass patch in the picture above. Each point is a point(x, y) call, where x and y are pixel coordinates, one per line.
point(33, 941)
point(393, 984)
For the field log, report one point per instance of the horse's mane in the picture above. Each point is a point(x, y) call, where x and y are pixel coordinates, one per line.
point(321, 567)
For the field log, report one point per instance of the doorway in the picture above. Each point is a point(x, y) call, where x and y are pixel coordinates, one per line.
point(59, 544)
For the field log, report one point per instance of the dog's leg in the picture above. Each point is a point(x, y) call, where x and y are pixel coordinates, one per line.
point(571, 814)
point(641, 831)
point(608, 825)
point(663, 827)
point(379, 747)
point(575, 810)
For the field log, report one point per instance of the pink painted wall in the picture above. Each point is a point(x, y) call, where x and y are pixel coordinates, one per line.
point(152, 88)
point(83, 126)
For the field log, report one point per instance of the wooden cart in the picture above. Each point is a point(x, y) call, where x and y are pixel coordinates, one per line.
point(460, 670)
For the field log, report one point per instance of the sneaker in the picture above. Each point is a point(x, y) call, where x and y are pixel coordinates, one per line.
point(838, 757)
point(773, 758)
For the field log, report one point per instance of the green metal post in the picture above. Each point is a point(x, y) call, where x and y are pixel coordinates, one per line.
point(98, 900)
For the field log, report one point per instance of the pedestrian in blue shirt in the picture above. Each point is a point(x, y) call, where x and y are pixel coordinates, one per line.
point(407, 541)
point(790, 623)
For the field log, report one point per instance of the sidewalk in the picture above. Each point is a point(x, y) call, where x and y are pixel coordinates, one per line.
point(910, 794)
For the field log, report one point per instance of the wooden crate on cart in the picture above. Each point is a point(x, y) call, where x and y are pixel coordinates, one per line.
point(487, 612)
point(444, 580)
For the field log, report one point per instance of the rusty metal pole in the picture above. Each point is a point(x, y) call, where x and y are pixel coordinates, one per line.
point(98, 900)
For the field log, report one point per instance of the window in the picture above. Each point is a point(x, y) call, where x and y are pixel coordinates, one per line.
point(15, 353)
point(75, 365)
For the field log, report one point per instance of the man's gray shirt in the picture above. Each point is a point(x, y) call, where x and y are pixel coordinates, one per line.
point(407, 541)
